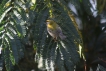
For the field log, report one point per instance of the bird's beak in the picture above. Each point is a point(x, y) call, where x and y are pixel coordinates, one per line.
point(47, 22)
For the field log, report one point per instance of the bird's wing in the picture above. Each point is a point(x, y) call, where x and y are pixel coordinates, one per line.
point(60, 34)
point(58, 29)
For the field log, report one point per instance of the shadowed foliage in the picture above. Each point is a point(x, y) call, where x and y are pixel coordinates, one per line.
point(26, 44)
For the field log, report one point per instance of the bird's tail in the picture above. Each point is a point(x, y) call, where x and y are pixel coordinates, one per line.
point(62, 36)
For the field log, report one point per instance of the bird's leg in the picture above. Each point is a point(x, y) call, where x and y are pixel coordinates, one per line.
point(55, 39)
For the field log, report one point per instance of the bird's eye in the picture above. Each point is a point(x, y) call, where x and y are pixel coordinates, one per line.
point(51, 23)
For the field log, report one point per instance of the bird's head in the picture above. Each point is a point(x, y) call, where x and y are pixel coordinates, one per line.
point(50, 22)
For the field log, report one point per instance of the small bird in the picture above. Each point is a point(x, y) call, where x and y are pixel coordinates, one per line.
point(54, 30)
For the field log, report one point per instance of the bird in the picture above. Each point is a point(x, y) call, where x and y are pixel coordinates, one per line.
point(54, 30)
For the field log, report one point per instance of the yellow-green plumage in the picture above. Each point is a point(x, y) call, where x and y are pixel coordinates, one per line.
point(54, 30)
